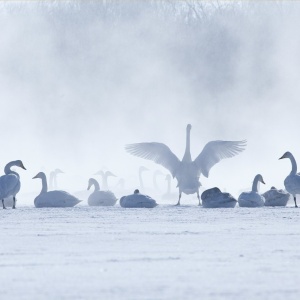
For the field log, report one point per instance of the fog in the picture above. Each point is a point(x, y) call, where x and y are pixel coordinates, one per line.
point(79, 80)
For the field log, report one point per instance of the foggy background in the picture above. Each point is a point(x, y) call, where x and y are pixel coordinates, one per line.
point(80, 79)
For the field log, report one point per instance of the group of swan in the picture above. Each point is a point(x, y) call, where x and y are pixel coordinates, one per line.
point(186, 171)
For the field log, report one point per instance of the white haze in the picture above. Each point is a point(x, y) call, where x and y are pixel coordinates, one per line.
point(79, 80)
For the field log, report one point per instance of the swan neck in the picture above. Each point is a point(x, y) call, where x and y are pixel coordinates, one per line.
point(7, 169)
point(255, 184)
point(96, 185)
point(187, 155)
point(44, 184)
point(294, 165)
point(104, 182)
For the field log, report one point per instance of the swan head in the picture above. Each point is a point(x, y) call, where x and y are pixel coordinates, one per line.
point(136, 191)
point(100, 172)
point(188, 127)
point(91, 182)
point(286, 155)
point(108, 173)
point(260, 178)
point(18, 163)
point(142, 169)
point(58, 171)
point(39, 175)
point(168, 177)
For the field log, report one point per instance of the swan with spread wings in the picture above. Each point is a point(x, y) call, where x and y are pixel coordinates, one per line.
point(187, 171)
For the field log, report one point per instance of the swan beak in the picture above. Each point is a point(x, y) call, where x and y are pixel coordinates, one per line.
point(89, 186)
point(34, 177)
point(22, 166)
point(263, 182)
point(282, 157)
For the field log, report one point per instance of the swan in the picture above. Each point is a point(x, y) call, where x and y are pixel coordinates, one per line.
point(10, 182)
point(253, 198)
point(186, 171)
point(137, 200)
point(213, 198)
point(105, 176)
point(275, 197)
point(292, 181)
point(53, 198)
point(53, 178)
point(100, 198)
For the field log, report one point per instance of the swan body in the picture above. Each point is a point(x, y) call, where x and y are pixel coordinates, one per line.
point(292, 181)
point(100, 198)
point(187, 171)
point(53, 198)
point(137, 200)
point(10, 182)
point(252, 198)
point(275, 197)
point(214, 198)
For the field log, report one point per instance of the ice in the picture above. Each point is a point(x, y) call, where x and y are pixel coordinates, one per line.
point(168, 252)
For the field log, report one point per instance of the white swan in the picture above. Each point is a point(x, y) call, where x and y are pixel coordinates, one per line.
point(100, 198)
point(53, 198)
point(137, 200)
point(105, 176)
point(214, 198)
point(292, 181)
point(53, 178)
point(187, 172)
point(253, 198)
point(275, 197)
point(10, 182)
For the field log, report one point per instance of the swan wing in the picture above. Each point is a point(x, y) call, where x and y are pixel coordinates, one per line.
point(214, 151)
point(9, 185)
point(157, 152)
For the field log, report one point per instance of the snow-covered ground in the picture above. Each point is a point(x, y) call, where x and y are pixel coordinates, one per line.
point(167, 252)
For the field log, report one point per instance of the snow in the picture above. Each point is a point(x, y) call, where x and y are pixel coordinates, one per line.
point(167, 252)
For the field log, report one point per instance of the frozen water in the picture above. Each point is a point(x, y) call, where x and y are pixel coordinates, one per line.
point(168, 252)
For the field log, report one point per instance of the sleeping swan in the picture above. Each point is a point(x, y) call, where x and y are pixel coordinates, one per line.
point(137, 200)
point(214, 198)
point(100, 198)
point(53, 198)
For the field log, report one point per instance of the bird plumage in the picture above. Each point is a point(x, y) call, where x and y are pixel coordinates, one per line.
point(53, 198)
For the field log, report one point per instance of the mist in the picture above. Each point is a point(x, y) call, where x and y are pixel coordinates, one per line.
point(81, 79)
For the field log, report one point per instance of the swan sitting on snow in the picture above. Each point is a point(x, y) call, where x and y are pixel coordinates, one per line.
point(213, 198)
point(292, 181)
point(275, 197)
point(253, 198)
point(10, 182)
point(186, 171)
point(137, 200)
point(100, 198)
point(53, 198)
